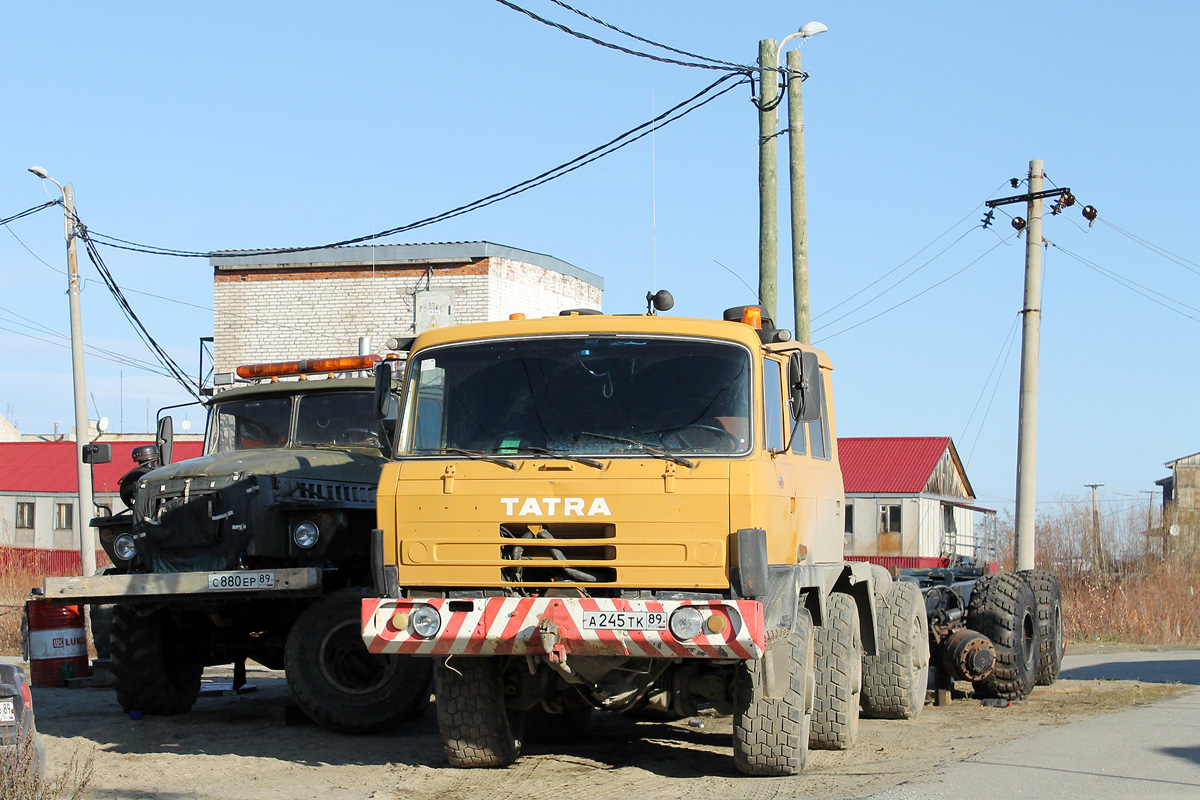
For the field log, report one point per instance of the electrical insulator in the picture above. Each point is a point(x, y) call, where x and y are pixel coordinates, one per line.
point(1089, 213)
point(1015, 182)
point(1018, 223)
point(987, 220)
point(1067, 200)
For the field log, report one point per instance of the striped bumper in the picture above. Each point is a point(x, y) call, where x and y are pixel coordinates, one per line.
point(556, 627)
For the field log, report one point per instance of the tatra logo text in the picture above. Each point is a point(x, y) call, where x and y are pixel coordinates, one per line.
point(555, 507)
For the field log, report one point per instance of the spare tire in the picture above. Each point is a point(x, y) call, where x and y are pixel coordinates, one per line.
point(1050, 623)
point(1003, 608)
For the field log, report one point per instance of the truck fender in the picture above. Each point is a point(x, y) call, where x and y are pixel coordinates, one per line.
point(858, 583)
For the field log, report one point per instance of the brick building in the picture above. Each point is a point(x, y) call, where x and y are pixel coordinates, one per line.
point(318, 303)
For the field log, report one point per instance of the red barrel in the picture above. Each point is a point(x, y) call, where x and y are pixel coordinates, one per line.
point(57, 643)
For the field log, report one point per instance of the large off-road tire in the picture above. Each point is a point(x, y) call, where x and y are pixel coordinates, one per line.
point(770, 734)
point(341, 685)
point(1050, 623)
point(1003, 608)
point(477, 729)
point(895, 679)
point(150, 673)
point(838, 664)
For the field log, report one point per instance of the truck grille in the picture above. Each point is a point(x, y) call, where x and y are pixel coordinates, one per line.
point(352, 495)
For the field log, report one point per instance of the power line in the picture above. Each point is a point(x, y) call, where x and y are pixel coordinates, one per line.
point(35, 255)
point(1191, 266)
point(1012, 340)
point(918, 294)
point(644, 40)
point(1132, 285)
point(673, 114)
point(626, 50)
point(29, 211)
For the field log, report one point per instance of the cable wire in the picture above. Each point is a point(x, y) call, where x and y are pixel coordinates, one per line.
point(1132, 285)
point(30, 211)
point(918, 294)
point(673, 114)
point(626, 50)
point(587, 16)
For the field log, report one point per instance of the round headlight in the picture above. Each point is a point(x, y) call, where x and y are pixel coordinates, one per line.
point(686, 623)
point(306, 534)
point(125, 547)
point(425, 621)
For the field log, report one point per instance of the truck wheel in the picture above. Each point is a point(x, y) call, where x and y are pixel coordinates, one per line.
point(895, 679)
point(341, 685)
point(1003, 608)
point(770, 734)
point(1050, 623)
point(838, 651)
point(477, 729)
point(148, 673)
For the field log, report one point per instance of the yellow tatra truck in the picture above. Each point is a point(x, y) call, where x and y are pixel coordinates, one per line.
point(633, 514)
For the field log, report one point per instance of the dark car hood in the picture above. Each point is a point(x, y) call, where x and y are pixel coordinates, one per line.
point(328, 465)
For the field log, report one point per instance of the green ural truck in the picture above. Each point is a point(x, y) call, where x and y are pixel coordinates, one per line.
point(259, 549)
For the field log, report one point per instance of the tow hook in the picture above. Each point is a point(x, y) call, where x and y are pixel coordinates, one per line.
point(551, 638)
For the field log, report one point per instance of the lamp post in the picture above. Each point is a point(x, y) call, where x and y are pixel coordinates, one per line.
point(87, 546)
point(799, 205)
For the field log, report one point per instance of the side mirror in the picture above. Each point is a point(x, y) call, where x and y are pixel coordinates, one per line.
point(383, 389)
point(97, 453)
point(165, 438)
point(804, 386)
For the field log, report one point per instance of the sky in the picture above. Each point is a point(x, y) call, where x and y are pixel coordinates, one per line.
point(236, 125)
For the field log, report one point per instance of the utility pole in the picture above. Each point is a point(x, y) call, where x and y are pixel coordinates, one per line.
point(799, 203)
point(87, 546)
point(1097, 551)
point(1149, 519)
point(1025, 545)
point(768, 183)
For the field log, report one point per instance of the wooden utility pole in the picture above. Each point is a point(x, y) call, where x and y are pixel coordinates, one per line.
point(799, 204)
point(768, 180)
point(1097, 550)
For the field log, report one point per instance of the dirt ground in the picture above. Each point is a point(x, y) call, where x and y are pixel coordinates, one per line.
point(258, 746)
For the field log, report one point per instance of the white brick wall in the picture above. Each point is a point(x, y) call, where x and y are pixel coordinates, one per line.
point(279, 314)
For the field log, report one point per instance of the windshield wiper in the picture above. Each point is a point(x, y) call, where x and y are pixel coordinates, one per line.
point(654, 451)
point(529, 448)
point(478, 456)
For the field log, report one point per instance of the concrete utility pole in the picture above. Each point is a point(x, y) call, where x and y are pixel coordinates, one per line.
point(87, 544)
point(1097, 551)
point(1025, 544)
point(768, 180)
point(799, 204)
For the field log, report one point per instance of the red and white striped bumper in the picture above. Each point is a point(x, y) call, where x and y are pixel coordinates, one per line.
point(555, 627)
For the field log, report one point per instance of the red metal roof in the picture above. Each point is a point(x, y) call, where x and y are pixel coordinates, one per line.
point(50, 466)
point(889, 464)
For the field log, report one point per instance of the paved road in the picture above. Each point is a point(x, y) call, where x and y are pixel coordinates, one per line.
point(1146, 752)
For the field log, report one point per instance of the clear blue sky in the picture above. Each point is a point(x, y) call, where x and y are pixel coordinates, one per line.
point(234, 125)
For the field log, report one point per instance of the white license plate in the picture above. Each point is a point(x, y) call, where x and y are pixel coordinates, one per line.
point(241, 580)
point(8, 712)
point(625, 620)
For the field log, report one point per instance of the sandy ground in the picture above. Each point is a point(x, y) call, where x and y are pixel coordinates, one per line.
point(257, 746)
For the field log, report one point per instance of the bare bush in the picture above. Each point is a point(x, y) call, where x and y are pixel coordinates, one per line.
point(1124, 581)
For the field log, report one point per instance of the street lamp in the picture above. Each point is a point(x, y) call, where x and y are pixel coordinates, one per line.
point(87, 546)
point(799, 204)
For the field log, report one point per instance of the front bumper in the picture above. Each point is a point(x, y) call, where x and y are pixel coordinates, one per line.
point(159, 587)
point(554, 627)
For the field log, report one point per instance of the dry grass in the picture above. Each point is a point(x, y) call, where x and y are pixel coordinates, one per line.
point(21, 778)
point(1129, 591)
point(16, 579)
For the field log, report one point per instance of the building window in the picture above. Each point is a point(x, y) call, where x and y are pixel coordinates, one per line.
point(24, 515)
point(889, 518)
point(948, 523)
point(64, 516)
point(848, 542)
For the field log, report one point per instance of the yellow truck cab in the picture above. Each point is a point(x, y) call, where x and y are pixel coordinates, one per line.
point(627, 513)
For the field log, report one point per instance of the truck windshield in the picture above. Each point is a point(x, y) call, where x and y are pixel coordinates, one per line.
point(583, 395)
point(339, 419)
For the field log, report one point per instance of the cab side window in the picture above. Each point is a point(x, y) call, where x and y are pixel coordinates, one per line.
point(772, 405)
point(818, 430)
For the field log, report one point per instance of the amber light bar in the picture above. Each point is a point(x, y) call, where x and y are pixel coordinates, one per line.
point(307, 366)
